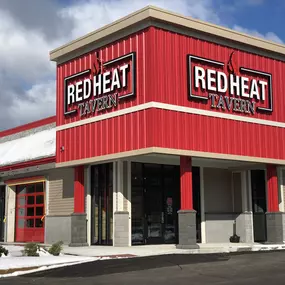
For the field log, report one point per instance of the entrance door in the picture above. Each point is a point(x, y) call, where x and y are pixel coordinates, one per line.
point(153, 196)
point(2, 212)
point(102, 204)
point(259, 206)
point(197, 200)
point(156, 201)
point(30, 211)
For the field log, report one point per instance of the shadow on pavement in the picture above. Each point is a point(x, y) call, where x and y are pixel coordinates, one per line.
point(103, 267)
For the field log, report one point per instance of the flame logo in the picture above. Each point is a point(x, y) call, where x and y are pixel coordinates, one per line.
point(232, 65)
point(98, 65)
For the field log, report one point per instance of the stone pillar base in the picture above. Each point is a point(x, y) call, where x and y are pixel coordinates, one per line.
point(121, 228)
point(78, 230)
point(244, 227)
point(275, 224)
point(187, 229)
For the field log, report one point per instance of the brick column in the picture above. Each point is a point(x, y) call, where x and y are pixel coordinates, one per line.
point(186, 215)
point(274, 219)
point(78, 218)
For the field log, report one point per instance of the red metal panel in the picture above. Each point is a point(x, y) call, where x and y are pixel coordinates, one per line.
point(162, 77)
point(123, 133)
point(272, 188)
point(186, 194)
point(133, 43)
point(79, 189)
point(169, 69)
point(200, 133)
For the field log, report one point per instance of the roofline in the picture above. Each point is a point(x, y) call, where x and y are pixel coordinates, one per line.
point(29, 126)
point(30, 163)
point(155, 13)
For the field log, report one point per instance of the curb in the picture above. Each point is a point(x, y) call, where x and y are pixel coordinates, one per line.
point(114, 256)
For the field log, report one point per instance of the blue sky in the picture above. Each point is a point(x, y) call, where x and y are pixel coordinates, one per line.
point(264, 16)
point(30, 29)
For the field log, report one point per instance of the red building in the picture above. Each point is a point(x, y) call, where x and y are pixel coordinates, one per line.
point(168, 130)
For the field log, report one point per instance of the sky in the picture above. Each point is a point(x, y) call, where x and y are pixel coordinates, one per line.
point(30, 29)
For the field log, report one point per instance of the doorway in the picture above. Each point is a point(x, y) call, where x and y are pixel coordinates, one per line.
point(102, 204)
point(156, 201)
point(2, 212)
point(259, 204)
point(30, 211)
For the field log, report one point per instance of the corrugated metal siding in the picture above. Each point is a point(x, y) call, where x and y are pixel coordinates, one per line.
point(169, 69)
point(162, 77)
point(114, 135)
point(133, 43)
point(61, 198)
point(200, 133)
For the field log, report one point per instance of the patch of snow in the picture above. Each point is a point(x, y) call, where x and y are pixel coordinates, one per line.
point(54, 262)
point(34, 261)
point(35, 146)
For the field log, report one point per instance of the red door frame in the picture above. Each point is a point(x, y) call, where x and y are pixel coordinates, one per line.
point(32, 233)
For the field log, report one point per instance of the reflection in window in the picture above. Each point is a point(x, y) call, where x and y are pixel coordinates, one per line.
point(21, 212)
point(30, 189)
point(30, 223)
point(39, 223)
point(21, 223)
point(21, 189)
point(22, 201)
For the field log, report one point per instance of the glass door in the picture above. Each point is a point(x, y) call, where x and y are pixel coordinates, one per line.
point(138, 214)
point(2, 211)
point(30, 211)
point(197, 200)
point(153, 197)
point(171, 202)
point(102, 204)
point(156, 201)
point(259, 205)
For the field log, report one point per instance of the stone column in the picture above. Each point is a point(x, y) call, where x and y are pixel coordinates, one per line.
point(244, 227)
point(186, 214)
point(245, 219)
point(121, 225)
point(121, 213)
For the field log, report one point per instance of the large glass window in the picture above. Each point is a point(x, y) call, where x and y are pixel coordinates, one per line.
point(102, 204)
point(259, 202)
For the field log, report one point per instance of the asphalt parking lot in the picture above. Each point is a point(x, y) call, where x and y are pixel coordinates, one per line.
point(244, 268)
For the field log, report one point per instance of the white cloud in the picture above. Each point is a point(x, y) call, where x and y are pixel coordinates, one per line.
point(38, 102)
point(270, 36)
point(26, 74)
point(89, 15)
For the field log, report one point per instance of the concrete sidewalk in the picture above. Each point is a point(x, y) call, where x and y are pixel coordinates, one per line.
point(150, 250)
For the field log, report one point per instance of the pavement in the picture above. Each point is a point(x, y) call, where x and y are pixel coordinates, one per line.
point(228, 268)
point(162, 249)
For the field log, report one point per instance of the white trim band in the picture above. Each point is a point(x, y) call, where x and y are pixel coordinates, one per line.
point(175, 108)
point(169, 151)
